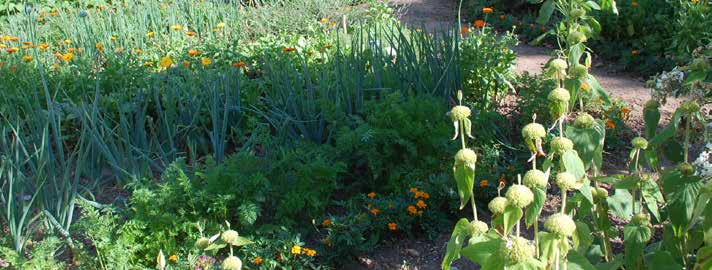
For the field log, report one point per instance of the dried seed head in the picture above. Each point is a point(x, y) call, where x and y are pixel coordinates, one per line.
point(566, 181)
point(577, 13)
point(690, 106)
point(686, 169)
point(584, 120)
point(533, 131)
point(560, 224)
point(559, 95)
point(519, 196)
point(229, 237)
point(466, 156)
point(478, 227)
point(639, 143)
point(561, 144)
point(232, 263)
point(578, 71)
point(640, 219)
point(576, 37)
point(558, 64)
point(535, 179)
point(460, 113)
point(517, 249)
point(202, 243)
point(497, 205)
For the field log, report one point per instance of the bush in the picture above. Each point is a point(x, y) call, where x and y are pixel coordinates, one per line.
point(392, 142)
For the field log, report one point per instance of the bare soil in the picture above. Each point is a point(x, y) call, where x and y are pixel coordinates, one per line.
point(424, 254)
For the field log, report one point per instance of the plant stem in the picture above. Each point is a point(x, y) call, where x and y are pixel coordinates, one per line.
point(556, 254)
point(536, 236)
point(687, 137)
point(474, 208)
point(563, 201)
point(561, 126)
point(462, 134)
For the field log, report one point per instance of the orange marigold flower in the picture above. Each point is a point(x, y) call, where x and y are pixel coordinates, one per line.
point(634, 52)
point(412, 210)
point(12, 50)
point(2, 64)
point(309, 252)
point(501, 18)
point(14, 38)
point(425, 195)
point(296, 250)
point(257, 260)
point(375, 211)
point(624, 111)
point(487, 10)
point(186, 64)
point(421, 204)
point(53, 14)
point(414, 190)
point(190, 33)
point(464, 30)
point(484, 183)
point(27, 43)
point(289, 49)
point(173, 258)
point(479, 23)
point(585, 87)
point(610, 124)
point(502, 180)
point(634, 4)
point(239, 64)
point(392, 226)
point(43, 46)
point(193, 52)
point(371, 195)
point(326, 223)
point(418, 194)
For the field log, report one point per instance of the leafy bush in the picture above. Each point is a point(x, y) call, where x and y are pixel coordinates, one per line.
point(389, 145)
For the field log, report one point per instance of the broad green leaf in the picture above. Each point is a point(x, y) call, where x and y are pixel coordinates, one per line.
point(586, 142)
point(547, 243)
point(652, 197)
point(681, 194)
point(629, 183)
point(242, 241)
point(673, 151)
point(585, 190)
point(511, 216)
point(582, 238)
point(620, 204)
point(634, 239)
point(457, 238)
point(593, 23)
point(614, 264)
point(530, 264)
point(592, 5)
point(652, 119)
point(575, 53)
point(668, 132)
point(573, 164)
point(534, 209)
point(662, 260)
point(480, 252)
point(597, 89)
point(576, 261)
point(465, 179)
point(704, 259)
point(573, 85)
point(707, 224)
point(695, 76)
point(545, 12)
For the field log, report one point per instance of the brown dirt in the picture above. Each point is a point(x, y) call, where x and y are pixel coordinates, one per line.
point(423, 254)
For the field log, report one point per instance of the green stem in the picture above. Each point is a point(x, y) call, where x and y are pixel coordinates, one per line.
point(563, 201)
point(687, 136)
point(474, 207)
point(536, 236)
point(462, 134)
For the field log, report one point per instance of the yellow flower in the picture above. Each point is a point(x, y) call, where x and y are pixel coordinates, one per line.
point(392, 226)
point(371, 195)
point(67, 57)
point(221, 25)
point(99, 47)
point(67, 41)
point(43, 46)
point(190, 33)
point(150, 34)
point(53, 14)
point(324, 20)
point(137, 51)
point(12, 50)
point(148, 63)
point(421, 204)
point(296, 250)
point(585, 87)
point(27, 58)
point(173, 258)
point(114, 38)
point(5, 38)
point(176, 27)
point(205, 61)
point(166, 62)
